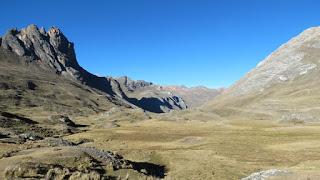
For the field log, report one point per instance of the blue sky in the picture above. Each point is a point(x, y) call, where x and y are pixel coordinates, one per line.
point(182, 42)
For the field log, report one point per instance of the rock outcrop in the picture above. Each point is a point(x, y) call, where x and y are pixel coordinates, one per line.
point(263, 175)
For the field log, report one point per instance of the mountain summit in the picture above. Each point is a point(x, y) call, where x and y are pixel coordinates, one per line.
point(51, 48)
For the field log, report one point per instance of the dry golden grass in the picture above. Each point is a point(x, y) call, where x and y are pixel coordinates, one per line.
point(213, 150)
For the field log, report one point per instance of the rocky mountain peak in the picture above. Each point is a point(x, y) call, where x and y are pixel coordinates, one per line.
point(50, 48)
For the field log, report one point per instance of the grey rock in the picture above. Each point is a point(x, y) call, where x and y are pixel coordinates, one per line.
point(298, 117)
point(108, 157)
point(11, 42)
point(56, 142)
point(262, 175)
point(61, 119)
point(30, 136)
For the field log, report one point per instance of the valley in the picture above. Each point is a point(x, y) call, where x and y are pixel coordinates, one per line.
point(59, 121)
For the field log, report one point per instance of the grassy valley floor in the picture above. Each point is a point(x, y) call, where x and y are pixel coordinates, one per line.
point(214, 150)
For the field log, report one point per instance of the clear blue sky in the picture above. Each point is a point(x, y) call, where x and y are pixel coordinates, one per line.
point(189, 42)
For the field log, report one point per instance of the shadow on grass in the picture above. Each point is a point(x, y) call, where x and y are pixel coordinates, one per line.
point(150, 169)
point(80, 126)
point(3, 136)
point(20, 118)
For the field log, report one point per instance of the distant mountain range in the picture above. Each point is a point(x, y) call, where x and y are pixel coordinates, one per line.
point(51, 55)
point(194, 96)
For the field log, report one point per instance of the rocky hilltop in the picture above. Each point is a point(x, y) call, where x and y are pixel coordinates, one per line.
point(283, 86)
point(52, 51)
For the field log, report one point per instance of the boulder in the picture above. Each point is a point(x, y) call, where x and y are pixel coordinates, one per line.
point(62, 119)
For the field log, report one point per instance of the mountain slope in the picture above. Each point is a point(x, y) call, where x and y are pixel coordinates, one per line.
point(285, 86)
point(52, 51)
point(26, 87)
